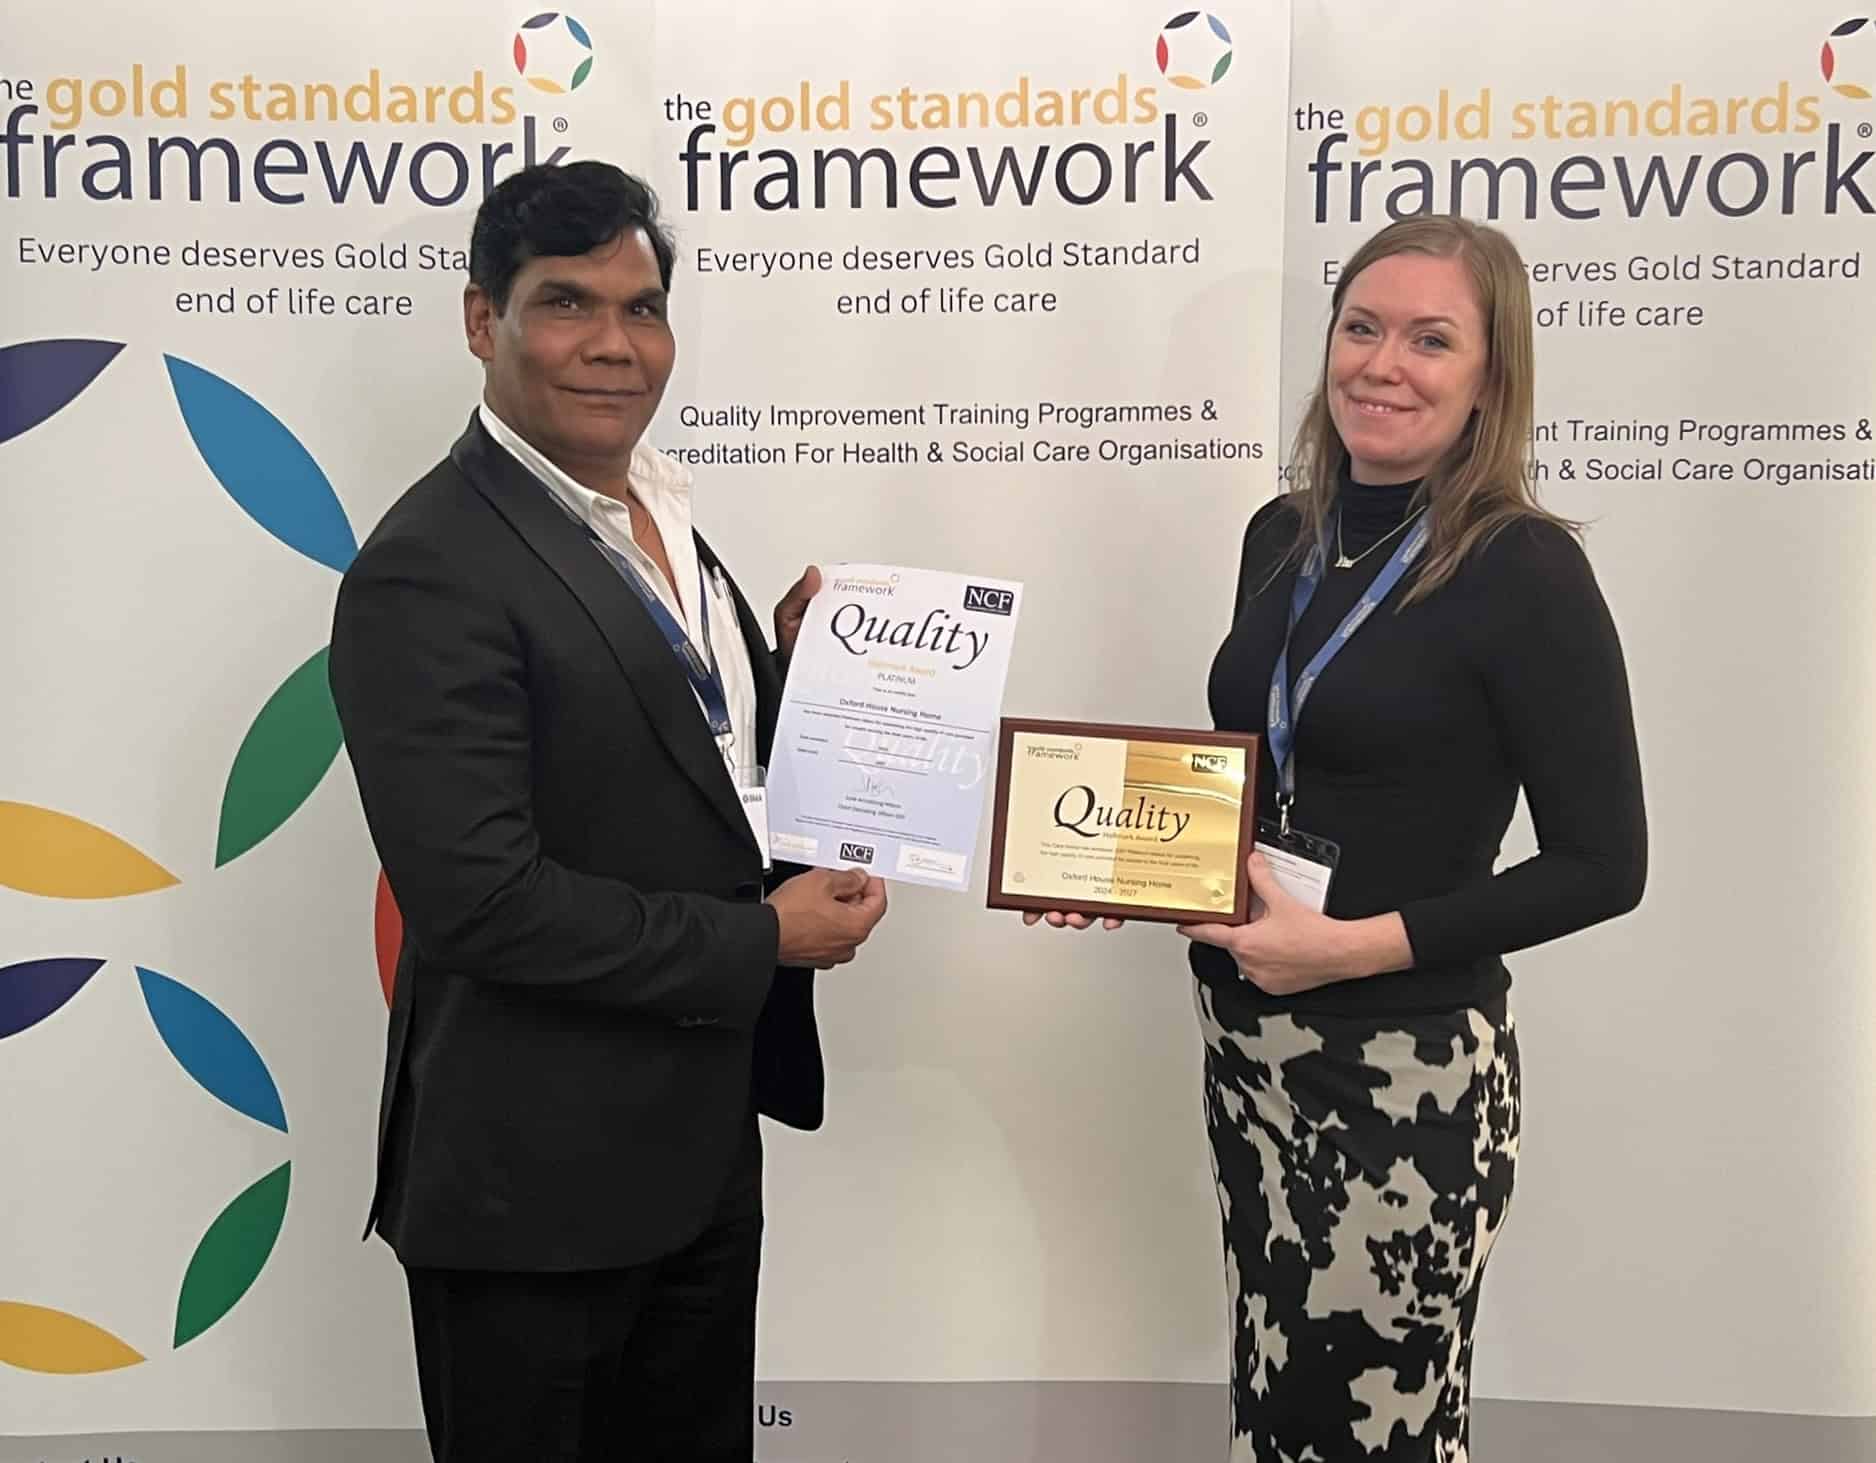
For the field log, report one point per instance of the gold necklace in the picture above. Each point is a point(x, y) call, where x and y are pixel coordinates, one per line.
point(1342, 560)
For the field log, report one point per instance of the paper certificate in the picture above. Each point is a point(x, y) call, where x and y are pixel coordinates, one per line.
point(887, 733)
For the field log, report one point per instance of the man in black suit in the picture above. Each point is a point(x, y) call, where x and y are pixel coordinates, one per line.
point(555, 701)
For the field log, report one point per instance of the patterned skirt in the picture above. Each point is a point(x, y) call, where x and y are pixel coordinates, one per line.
point(1364, 1167)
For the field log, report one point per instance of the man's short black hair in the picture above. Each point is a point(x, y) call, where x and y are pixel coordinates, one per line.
point(560, 210)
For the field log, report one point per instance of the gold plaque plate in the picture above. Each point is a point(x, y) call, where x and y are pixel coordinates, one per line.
point(1137, 822)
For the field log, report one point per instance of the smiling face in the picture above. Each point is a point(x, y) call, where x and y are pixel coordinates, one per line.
point(1406, 365)
point(577, 361)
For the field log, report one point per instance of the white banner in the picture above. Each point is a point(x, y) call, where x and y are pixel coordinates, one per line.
point(982, 289)
point(1692, 194)
point(998, 288)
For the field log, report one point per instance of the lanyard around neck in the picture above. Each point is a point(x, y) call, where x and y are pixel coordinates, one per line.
point(700, 667)
point(1286, 706)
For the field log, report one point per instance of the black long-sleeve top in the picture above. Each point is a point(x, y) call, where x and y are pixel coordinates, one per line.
point(1411, 749)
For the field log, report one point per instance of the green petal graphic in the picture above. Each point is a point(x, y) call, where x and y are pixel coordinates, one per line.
point(282, 759)
point(231, 1254)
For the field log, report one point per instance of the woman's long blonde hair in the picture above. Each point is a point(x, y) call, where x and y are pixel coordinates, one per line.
point(1483, 483)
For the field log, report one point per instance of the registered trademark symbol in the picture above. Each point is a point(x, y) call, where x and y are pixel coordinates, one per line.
point(1864, 130)
point(1199, 119)
point(560, 124)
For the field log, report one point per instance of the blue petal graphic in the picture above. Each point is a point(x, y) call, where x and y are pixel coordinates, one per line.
point(38, 377)
point(1218, 29)
point(212, 1049)
point(579, 33)
point(32, 991)
point(262, 466)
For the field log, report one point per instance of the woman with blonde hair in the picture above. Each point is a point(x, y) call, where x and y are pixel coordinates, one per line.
point(1417, 641)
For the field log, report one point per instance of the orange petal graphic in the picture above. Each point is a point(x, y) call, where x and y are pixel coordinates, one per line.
point(36, 1339)
point(55, 854)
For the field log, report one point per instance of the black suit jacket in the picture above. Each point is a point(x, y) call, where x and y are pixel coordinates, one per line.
point(587, 1003)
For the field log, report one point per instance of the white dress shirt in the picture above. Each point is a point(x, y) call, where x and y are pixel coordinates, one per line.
point(663, 489)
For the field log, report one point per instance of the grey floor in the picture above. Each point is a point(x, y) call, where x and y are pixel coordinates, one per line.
point(1060, 1422)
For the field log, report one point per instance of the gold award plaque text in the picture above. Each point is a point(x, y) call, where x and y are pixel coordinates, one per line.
point(1120, 821)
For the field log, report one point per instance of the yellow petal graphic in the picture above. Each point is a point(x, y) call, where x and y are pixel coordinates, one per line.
point(40, 1340)
point(55, 854)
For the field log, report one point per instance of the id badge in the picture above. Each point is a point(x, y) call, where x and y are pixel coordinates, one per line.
point(1303, 864)
point(752, 792)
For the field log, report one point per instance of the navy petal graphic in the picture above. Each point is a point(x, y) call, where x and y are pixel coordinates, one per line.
point(37, 377)
point(262, 466)
point(32, 991)
point(212, 1049)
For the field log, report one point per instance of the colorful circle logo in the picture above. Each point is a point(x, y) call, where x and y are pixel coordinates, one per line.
point(553, 52)
point(228, 1259)
point(1194, 50)
point(1839, 44)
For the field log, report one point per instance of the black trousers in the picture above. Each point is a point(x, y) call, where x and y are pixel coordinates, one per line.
point(654, 1363)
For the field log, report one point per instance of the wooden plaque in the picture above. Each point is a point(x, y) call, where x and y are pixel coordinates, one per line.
point(1137, 822)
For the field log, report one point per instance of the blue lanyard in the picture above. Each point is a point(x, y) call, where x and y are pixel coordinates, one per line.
point(701, 667)
point(1287, 706)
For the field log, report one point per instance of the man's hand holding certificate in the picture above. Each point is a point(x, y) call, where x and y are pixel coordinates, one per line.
point(887, 733)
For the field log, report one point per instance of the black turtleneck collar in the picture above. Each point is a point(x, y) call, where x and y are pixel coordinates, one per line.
point(1368, 511)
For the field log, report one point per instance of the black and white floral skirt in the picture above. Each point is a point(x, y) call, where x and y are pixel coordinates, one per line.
point(1364, 1167)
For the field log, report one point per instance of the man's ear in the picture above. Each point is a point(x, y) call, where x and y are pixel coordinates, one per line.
point(478, 322)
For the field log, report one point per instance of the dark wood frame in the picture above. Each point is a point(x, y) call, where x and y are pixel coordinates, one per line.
point(1007, 729)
